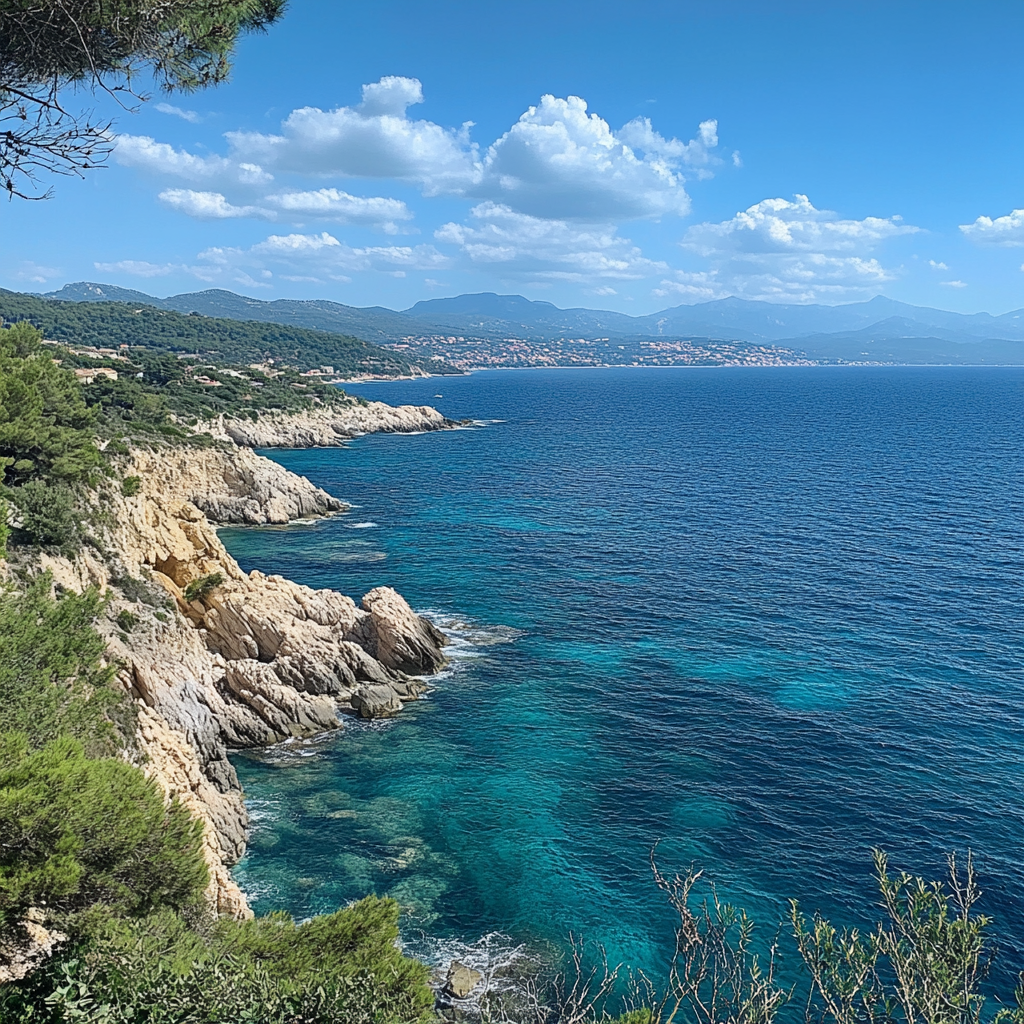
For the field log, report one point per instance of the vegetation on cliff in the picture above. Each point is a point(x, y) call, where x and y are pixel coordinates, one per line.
point(60, 438)
point(112, 324)
point(90, 845)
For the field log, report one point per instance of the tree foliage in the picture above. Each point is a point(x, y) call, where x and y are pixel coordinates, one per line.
point(923, 965)
point(76, 832)
point(46, 428)
point(341, 968)
point(47, 46)
point(53, 680)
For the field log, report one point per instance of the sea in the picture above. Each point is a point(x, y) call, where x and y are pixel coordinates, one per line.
point(759, 621)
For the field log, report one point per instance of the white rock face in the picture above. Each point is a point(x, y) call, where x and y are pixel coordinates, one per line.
point(327, 427)
point(258, 659)
point(235, 485)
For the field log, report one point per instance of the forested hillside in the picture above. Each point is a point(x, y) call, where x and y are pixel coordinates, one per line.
point(111, 324)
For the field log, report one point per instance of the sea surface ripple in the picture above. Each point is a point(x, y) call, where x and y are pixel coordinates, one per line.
point(770, 618)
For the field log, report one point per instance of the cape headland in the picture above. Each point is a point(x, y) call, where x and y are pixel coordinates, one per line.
point(237, 660)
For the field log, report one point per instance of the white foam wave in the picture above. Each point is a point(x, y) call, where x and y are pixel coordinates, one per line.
point(509, 970)
point(361, 526)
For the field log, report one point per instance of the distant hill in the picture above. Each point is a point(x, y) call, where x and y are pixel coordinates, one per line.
point(108, 324)
point(910, 333)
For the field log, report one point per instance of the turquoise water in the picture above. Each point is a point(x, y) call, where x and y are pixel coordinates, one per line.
point(769, 618)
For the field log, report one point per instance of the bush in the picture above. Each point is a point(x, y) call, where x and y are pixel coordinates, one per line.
point(53, 681)
point(46, 429)
point(49, 515)
point(5, 530)
point(339, 969)
point(79, 832)
point(131, 485)
point(201, 588)
point(127, 620)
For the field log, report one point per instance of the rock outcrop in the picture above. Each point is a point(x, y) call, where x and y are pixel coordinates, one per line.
point(327, 426)
point(235, 486)
point(254, 659)
point(30, 944)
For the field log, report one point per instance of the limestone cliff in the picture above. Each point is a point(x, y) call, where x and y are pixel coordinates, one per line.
point(255, 659)
point(327, 426)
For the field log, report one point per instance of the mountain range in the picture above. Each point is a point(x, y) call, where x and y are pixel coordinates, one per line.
point(880, 327)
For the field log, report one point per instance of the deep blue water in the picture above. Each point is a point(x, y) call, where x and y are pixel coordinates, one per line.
point(771, 618)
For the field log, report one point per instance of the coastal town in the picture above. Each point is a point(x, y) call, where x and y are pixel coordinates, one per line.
point(468, 353)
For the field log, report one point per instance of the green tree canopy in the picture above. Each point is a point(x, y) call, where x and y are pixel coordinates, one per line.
point(76, 832)
point(46, 429)
point(53, 681)
point(48, 45)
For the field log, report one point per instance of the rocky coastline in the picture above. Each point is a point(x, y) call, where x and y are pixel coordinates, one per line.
point(218, 659)
point(327, 426)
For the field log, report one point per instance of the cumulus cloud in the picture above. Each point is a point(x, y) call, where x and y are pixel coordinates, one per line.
point(538, 248)
point(548, 192)
point(778, 225)
point(789, 251)
point(937, 265)
point(333, 204)
point(207, 205)
point(376, 139)
point(146, 154)
point(1007, 230)
point(557, 161)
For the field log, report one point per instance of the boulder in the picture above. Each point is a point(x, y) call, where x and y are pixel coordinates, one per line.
point(461, 980)
point(402, 639)
point(376, 701)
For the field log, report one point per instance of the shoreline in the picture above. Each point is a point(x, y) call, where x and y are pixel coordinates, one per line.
point(218, 659)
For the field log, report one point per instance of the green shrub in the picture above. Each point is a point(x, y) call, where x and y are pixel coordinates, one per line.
point(339, 969)
point(53, 681)
point(5, 530)
point(201, 588)
point(131, 485)
point(46, 428)
point(127, 620)
point(79, 832)
point(49, 514)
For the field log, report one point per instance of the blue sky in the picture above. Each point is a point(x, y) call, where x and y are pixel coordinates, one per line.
point(628, 156)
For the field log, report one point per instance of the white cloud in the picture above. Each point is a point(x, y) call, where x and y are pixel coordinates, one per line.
point(557, 161)
point(297, 255)
point(778, 225)
point(333, 204)
point(207, 205)
point(146, 154)
point(36, 272)
point(789, 251)
point(954, 284)
point(1007, 230)
point(186, 115)
point(640, 135)
point(560, 162)
point(699, 286)
point(373, 140)
point(522, 245)
point(138, 268)
point(937, 266)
